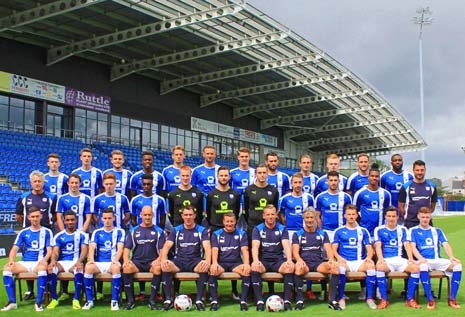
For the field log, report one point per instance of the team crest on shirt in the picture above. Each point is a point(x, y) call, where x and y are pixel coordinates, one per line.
point(236, 237)
point(196, 234)
point(108, 244)
point(318, 237)
point(152, 233)
point(194, 195)
point(35, 244)
point(231, 196)
point(276, 233)
point(429, 241)
point(269, 193)
point(69, 246)
point(427, 187)
point(44, 200)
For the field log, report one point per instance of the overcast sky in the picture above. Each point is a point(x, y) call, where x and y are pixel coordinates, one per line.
point(378, 41)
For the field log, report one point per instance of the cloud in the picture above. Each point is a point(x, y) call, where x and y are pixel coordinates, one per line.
point(378, 41)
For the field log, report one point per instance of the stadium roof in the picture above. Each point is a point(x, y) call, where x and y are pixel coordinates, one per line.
point(225, 51)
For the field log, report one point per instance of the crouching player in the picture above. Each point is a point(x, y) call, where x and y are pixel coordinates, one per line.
point(307, 248)
point(389, 241)
point(70, 248)
point(228, 244)
point(426, 243)
point(144, 242)
point(353, 251)
point(105, 251)
point(271, 252)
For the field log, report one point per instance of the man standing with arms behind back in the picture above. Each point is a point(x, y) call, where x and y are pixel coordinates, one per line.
point(415, 194)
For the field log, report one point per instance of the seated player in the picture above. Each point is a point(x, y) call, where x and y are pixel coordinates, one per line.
point(389, 240)
point(35, 242)
point(228, 245)
point(353, 250)
point(426, 242)
point(307, 248)
point(70, 248)
point(144, 242)
point(105, 251)
point(271, 252)
point(191, 242)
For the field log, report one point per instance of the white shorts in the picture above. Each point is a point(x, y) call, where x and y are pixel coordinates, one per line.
point(439, 264)
point(29, 265)
point(396, 263)
point(330, 234)
point(104, 267)
point(354, 265)
point(67, 265)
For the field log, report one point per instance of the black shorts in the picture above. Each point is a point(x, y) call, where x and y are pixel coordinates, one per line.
point(186, 265)
point(229, 266)
point(313, 265)
point(143, 266)
point(273, 266)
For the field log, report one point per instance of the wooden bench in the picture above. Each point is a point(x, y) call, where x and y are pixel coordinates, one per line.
point(267, 276)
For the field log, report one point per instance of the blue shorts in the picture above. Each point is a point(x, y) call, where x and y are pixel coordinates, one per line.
point(273, 266)
point(313, 265)
point(143, 266)
point(229, 266)
point(186, 265)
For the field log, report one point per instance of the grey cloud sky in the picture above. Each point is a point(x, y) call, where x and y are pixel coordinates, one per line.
point(378, 41)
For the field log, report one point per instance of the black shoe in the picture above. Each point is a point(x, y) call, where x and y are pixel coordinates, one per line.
point(244, 307)
point(153, 306)
point(287, 306)
point(299, 306)
point(334, 305)
point(214, 307)
point(403, 294)
point(167, 305)
point(260, 307)
point(199, 306)
point(129, 306)
point(29, 295)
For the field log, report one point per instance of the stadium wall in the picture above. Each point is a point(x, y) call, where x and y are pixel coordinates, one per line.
point(135, 96)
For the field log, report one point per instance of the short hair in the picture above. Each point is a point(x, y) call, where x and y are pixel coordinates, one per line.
point(188, 207)
point(419, 163)
point(147, 152)
point(86, 149)
point(309, 210)
point(108, 211)
point(185, 168)
point(297, 175)
point(305, 155)
point(75, 175)
point(261, 166)
point(270, 206)
point(116, 152)
point(69, 213)
point(362, 155)
point(222, 168)
point(178, 147)
point(350, 206)
point(374, 168)
point(33, 208)
point(396, 154)
point(332, 173)
point(37, 173)
point(243, 149)
point(208, 147)
point(109, 176)
point(271, 154)
point(424, 210)
point(53, 155)
point(147, 176)
point(230, 214)
point(332, 156)
point(388, 209)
